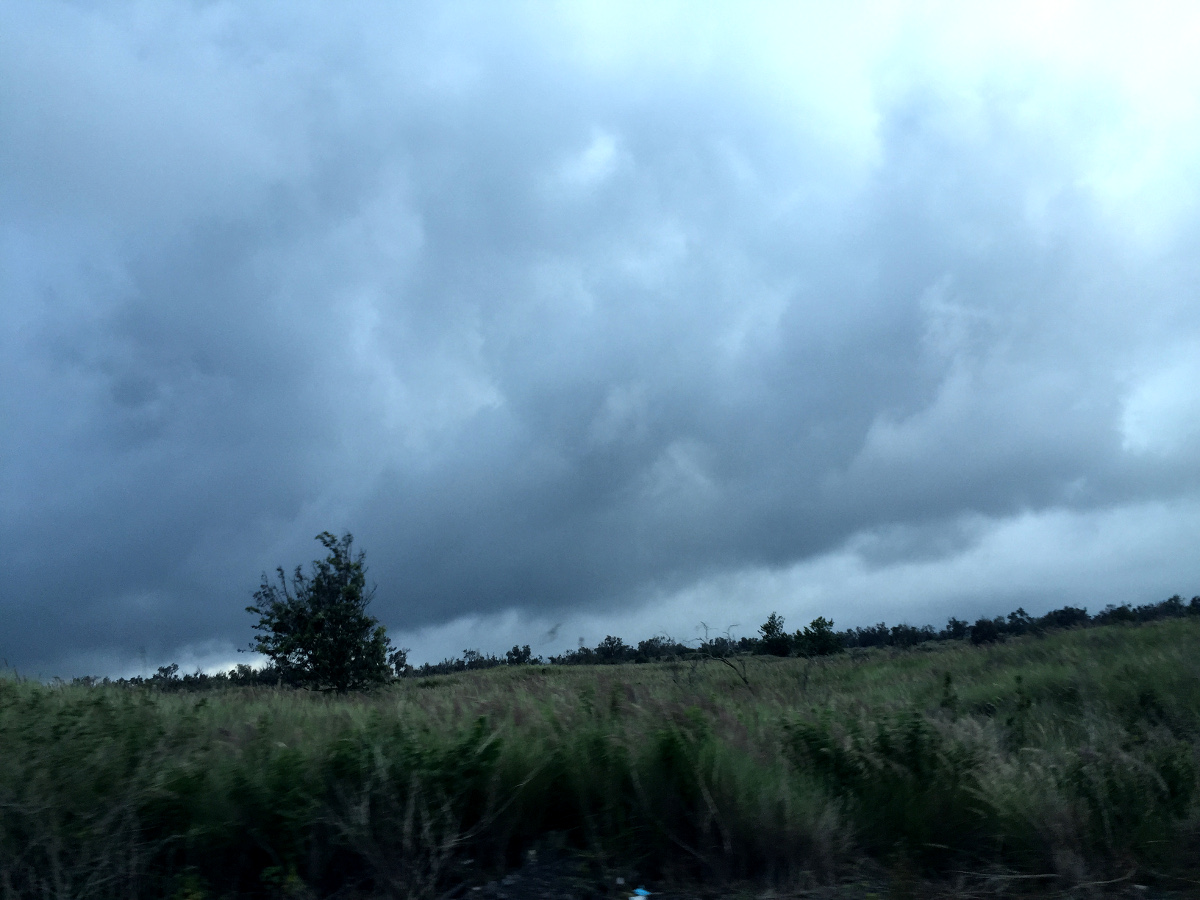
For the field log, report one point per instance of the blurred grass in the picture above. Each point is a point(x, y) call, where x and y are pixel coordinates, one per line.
point(1072, 756)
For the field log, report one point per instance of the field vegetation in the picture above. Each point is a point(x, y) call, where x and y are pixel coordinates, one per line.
point(1058, 762)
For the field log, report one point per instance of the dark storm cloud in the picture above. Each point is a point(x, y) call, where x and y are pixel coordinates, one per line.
point(555, 318)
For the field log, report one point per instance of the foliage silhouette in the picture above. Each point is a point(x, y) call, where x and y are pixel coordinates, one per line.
point(318, 633)
point(775, 640)
point(817, 639)
point(519, 656)
point(986, 631)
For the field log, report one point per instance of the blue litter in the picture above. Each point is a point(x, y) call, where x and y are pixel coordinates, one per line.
point(641, 892)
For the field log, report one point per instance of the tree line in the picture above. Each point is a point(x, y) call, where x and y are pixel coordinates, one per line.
point(818, 638)
point(316, 633)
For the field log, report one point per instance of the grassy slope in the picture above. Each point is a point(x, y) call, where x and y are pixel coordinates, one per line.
point(1072, 755)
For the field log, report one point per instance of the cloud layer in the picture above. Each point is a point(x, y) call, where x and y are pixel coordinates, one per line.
point(578, 314)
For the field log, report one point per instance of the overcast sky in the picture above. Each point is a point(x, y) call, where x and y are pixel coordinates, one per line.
point(591, 319)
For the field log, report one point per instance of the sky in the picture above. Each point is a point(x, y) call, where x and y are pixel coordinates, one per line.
point(591, 318)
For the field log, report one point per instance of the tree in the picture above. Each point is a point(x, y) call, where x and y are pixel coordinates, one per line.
point(613, 650)
point(317, 633)
point(956, 629)
point(775, 640)
point(519, 656)
point(986, 631)
point(1019, 621)
point(818, 638)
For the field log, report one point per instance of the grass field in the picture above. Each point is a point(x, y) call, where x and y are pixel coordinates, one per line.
point(1066, 759)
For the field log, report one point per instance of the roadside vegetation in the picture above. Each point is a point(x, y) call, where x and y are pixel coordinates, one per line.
point(1042, 760)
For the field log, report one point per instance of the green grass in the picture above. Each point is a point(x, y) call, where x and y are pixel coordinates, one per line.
point(1071, 756)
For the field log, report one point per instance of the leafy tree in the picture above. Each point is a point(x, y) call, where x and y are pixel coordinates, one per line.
point(818, 638)
point(955, 630)
point(1067, 617)
point(398, 660)
point(905, 635)
point(658, 647)
point(519, 656)
point(317, 633)
point(613, 650)
point(1019, 621)
point(986, 631)
point(477, 659)
point(872, 636)
point(775, 640)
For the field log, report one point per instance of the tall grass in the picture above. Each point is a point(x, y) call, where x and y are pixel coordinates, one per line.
point(1072, 756)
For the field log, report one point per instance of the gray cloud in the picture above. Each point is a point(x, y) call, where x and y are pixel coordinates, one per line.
point(565, 314)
